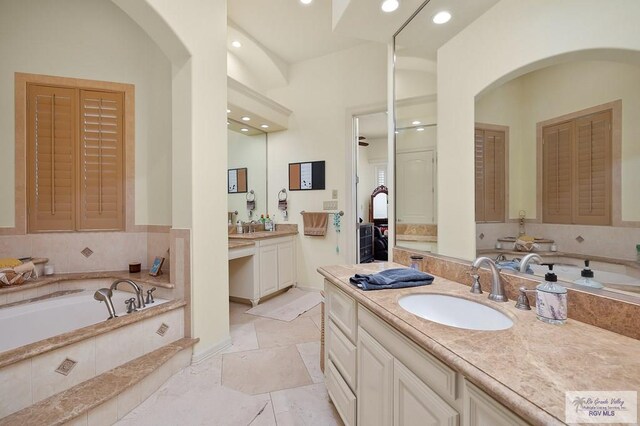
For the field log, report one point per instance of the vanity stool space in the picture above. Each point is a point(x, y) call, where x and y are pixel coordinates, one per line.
point(262, 268)
point(377, 376)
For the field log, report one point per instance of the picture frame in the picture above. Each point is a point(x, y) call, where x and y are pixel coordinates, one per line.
point(237, 181)
point(306, 176)
point(156, 268)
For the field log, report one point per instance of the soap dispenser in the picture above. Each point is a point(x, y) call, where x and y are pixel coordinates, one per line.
point(551, 299)
point(586, 277)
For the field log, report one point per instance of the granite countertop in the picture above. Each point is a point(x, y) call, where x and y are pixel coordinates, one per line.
point(422, 238)
point(240, 243)
point(528, 367)
point(262, 235)
point(139, 277)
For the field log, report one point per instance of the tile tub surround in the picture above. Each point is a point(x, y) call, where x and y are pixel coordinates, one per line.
point(619, 314)
point(101, 400)
point(528, 368)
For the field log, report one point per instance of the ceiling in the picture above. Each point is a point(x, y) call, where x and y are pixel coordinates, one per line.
point(373, 126)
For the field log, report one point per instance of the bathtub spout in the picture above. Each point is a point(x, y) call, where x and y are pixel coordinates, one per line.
point(104, 295)
point(138, 290)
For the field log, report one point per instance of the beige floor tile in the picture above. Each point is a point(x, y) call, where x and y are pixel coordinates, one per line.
point(237, 314)
point(243, 338)
point(310, 353)
point(264, 370)
point(313, 311)
point(304, 406)
point(279, 333)
point(317, 320)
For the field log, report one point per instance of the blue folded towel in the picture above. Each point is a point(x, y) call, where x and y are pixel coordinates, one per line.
point(391, 278)
point(514, 265)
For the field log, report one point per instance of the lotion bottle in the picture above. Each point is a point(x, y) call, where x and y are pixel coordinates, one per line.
point(551, 299)
point(586, 277)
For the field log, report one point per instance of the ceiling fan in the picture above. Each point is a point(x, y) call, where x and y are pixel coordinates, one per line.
point(362, 141)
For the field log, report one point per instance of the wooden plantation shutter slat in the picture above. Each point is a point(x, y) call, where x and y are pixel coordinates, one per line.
point(101, 160)
point(490, 175)
point(557, 172)
point(51, 152)
point(592, 203)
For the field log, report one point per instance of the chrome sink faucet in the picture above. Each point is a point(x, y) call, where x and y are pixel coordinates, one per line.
point(138, 289)
point(524, 263)
point(497, 289)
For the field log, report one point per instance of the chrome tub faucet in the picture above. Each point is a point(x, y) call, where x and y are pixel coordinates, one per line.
point(104, 295)
point(524, 263)
point(138, 290)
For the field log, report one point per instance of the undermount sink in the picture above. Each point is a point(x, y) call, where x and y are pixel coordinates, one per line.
point(455, 312)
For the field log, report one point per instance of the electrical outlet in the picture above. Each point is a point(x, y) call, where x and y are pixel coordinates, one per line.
point(334, 194)
point(330, 205)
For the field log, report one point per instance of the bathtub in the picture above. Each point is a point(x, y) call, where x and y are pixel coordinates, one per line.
point(572, 273)
point(27, 323)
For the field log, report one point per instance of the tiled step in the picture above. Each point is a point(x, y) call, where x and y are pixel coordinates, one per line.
point(110, 395)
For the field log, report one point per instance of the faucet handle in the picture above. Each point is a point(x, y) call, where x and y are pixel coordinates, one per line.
point(523, 300)
point(475, 287)
point(131, 305)
point(150, 295)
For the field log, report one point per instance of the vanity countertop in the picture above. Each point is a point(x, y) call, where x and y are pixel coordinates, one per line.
point(262, 235)
point(528, 367)
point(240, 243)
point(420, 238)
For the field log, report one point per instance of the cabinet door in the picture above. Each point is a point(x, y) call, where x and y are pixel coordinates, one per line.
point(415, 404)
point(482, 410)
point(268, 269)
point(374, 383)
point(286, 265)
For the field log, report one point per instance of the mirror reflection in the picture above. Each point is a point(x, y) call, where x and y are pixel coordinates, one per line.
point(557, 166)
point(247, 149)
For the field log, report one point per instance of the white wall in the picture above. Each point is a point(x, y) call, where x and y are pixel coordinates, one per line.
point(250, 152)
point(511, 39)
point(366, 182)
point(90, 39)
point(553, 92)
point(320, 92)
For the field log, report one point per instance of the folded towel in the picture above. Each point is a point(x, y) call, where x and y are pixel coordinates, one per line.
point(315, 224)
point(513, 265)
point(391, 278)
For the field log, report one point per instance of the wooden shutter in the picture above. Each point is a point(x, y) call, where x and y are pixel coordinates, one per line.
point(490, 163)
point(557, 173)
point(592, 178)
point(51, 151)
point(101, 161)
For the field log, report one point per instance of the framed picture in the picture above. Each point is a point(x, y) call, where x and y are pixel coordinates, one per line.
point(307, 176)
point(237, 181)
point(156, 268)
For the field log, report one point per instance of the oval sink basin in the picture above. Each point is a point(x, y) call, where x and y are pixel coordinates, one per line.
point(455, 312)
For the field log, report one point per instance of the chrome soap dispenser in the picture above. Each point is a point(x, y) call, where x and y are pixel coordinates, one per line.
point(586, 277)
point(551, 299)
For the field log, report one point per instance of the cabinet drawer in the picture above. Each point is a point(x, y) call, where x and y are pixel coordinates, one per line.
point(342, 310)
point(343, 399)
point(430, 370)
point(342, 352)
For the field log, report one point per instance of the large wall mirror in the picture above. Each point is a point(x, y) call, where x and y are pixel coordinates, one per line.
point(247, 149)
point(557, 170)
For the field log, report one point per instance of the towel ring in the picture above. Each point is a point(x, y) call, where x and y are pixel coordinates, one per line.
point(283, 192)
point(251, 196)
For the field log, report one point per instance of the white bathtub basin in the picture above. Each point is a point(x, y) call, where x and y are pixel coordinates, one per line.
point(455, 312)
point(571, 273)
point(30, 322)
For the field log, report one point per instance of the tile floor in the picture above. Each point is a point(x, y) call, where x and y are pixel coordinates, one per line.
point(269, 376)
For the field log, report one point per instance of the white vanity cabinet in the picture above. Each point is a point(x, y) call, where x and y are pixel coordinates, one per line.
point(268, 267)
point(396, 382)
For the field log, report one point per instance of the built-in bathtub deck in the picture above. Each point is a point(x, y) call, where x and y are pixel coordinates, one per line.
point(24, 352)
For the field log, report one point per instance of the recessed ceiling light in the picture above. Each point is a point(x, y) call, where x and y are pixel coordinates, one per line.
point(415, 123)
point(228, 110)
point(236, 43)
point(244, 129)
point(420, 129)
point(306, 1)
point(441, 17)
point(228, 122)
point(390, 5)
point(396, 132)
point(245, 118)
point(264, 126)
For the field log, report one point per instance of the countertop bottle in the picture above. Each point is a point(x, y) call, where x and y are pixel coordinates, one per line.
point(586, 277)
point(239, 227)
point(551, 299)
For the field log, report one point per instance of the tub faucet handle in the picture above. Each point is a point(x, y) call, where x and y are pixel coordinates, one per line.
point(150, 295)
point(131, 305)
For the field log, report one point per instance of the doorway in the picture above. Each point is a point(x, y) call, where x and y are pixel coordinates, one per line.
point(371, 213)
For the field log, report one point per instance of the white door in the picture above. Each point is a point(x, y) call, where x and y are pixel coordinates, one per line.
point(415, 187)
point(415, 404)
point(286, 265)
point(374, 382)
point(268, 269)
